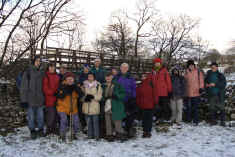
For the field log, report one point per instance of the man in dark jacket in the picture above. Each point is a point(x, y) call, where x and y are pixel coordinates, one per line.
point(176, 100)
point(31, 95)
point(129, 85)
point(99, 71)
point(215, 87)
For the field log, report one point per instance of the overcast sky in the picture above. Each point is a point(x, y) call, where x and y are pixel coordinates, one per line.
point(217, 16)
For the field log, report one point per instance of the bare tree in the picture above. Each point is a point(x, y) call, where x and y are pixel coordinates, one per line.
point(172, 38)
point(118, 36)
point(145, 11)
point(31, 4)
point(35, 22)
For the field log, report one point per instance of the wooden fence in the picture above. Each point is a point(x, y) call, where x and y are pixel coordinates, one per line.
point(74, 59)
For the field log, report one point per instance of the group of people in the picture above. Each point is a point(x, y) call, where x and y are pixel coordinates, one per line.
point(107, 102)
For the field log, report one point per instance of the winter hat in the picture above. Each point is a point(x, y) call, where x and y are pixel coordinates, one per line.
point(86, 66)
point(190, 62)
point(69, 74)
point(214, 64)
point(157, 60)
point(97, 60)
point(91, 73)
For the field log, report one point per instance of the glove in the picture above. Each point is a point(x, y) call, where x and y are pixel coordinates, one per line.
point(24, 105)
point(170, 95)
point(89, 97)
point(201, 90)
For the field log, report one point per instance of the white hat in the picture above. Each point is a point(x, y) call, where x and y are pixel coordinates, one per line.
point(97, 60)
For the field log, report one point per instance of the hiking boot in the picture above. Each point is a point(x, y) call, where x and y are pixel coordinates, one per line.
point(222, 123)
point(33, 134)
point(75, 136)
point(121, 137)
point(63, 138)
point(131, 133)
point(213, 122)
point(146, 135)
point(40, 133)
point(109, 138)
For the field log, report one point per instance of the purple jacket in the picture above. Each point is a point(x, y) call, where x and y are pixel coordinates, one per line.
point(129, 85)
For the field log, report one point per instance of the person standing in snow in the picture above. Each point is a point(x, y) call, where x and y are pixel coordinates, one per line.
point(82, 76)
point(146, 101)
point(67, 97)
point(113, 97)
point(50, 86)
point(176, 100)
point(31, 95)
point(194, 84)
point(215, 87)
point(91, 105)
point(124, 78)
point(162, 89)
point(100, 73)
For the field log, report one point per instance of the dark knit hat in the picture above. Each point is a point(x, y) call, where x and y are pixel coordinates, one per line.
point(214, 64)
point(190, 62)
point(91, 73)
point(86, 66)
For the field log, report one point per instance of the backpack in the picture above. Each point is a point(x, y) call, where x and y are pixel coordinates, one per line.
point(20, 77)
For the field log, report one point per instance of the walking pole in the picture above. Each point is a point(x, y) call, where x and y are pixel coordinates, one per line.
point(71, 119)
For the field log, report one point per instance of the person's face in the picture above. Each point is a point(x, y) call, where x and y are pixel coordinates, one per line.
point(70, 80)
point(109, 79)
point(37, 62)
point(214, 68)
point(97, 63)
point(62, 70)
point(157, 64)
point(124, 69)
point(86, 70)
point(91, 77)
point(114, 72)
point(51, 69)
point(143, 77)
point(191, 67)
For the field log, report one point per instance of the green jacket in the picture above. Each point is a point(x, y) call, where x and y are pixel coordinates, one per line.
point(118, 109)
point(220, 84)
point(99, 74)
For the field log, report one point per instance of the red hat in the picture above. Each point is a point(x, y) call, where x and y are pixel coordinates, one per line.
point(69, 74)
point(157, 60)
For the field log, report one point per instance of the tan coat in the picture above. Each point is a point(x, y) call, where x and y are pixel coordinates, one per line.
point(192, 83)
point(93, 107)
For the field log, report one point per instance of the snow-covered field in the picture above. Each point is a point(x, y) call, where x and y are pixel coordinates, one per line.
point(190, 141)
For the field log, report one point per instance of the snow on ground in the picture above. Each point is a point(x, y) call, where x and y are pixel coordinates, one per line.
point(190, 141)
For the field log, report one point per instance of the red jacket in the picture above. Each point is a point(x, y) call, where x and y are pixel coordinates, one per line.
point(161, 82)
point(144, 95)
point(50, 86)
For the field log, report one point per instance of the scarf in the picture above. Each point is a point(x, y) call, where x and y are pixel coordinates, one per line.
point(89, 85)
point(157, 68)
